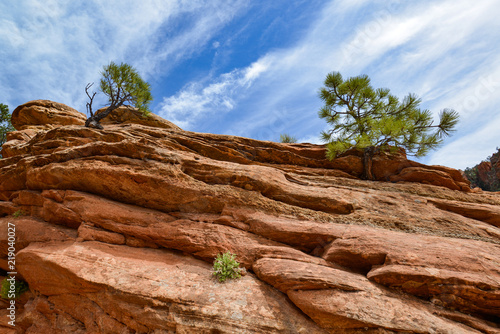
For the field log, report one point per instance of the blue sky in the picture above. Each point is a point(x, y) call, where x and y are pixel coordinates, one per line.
point(254, 68)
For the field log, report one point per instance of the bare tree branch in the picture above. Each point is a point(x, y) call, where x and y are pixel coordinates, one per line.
point(121, 84)
point(89, 104)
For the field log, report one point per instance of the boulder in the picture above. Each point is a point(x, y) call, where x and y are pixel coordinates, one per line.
point(45, 114)
point(130, 115)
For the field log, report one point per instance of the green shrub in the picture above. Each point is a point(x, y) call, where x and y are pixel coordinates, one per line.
point(18, 213)
point(285, 138)
point(20, 288)
point(226, 267)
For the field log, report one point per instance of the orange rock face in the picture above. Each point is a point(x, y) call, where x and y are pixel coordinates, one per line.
point(120, 227)
point(44, 113)
point(482, 171)
point(129, 115)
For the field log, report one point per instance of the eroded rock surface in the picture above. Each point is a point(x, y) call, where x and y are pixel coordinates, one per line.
point(143, 289)
point(45, 114)
point(130, 115)
point(118, 229)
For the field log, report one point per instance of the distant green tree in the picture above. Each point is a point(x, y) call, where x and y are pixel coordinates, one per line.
point(5, 124)
point(285, 138)
point(123, 86)
point(472, 175)
point(372, 120)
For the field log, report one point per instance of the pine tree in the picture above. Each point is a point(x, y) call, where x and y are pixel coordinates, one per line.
point(374, 120)
point(123, 86)
point(5, 124)
point(286, 138)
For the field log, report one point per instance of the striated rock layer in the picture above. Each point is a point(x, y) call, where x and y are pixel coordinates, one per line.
point(119, 229)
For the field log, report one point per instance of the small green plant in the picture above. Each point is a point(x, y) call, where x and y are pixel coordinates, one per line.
point(19, 288)
point(226, 267)
point(286, 138)
point(18, 213)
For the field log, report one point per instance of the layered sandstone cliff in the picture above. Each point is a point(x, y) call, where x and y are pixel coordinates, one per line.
point(121, 226)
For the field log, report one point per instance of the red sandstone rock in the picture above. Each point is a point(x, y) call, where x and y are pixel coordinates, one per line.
point(129, 115)
point(427, 176)
point(462, 274)
point(119, 288)
point(338, 300)
point(123, 224)
point(29, 230)
point(44, 113)
point(483, 170)
point(484, 212)
point(497, 168)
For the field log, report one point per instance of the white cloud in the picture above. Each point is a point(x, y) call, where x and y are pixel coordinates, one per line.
point(444, 50)
point(51, 49)
point(470, 149)
point(195, 101)
point(343, 6)
point(255, 70)
point(441, 50)
point(312, 139)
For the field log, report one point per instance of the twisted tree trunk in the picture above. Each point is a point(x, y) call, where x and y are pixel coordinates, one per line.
point(368, 154)
point(94, 119)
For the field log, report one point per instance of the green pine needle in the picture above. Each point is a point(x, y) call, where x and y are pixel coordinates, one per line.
point(361, 116)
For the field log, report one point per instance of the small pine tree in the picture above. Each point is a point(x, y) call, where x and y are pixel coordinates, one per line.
point(286, 138)
point(123, 86)
point(5, 124)
point(373, 120)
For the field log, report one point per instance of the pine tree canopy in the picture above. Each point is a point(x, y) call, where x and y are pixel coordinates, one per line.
point(286, 138)
point(123, 86)
point(363, 117)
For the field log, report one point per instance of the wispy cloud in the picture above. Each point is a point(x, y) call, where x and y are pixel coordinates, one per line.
point(445, 51)
point(51, 49)
point(469, 150)
point(196, 100)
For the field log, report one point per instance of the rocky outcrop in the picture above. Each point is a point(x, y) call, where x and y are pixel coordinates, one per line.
point(484, 172)
point(120, 227)
point(45, 114)
point(130, 115)
point(486, 175)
